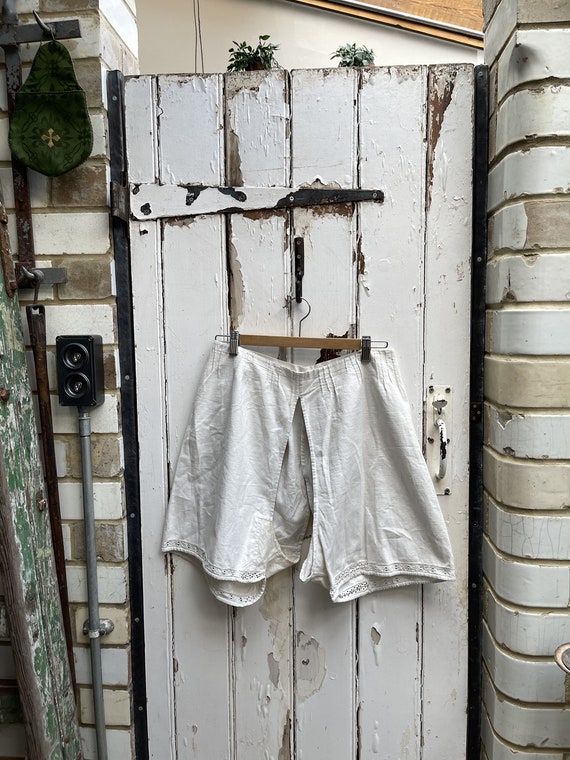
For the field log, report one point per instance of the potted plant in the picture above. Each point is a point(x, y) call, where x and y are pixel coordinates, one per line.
point(351, 55)
point(244, 57)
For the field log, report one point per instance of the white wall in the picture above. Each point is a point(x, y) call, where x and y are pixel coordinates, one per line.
point(307, 36)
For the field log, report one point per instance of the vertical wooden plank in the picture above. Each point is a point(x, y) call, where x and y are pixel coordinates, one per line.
point(26, 557)
point(142, 148)
point(146, 273)
point(257, 129)
point(195, 309)
point(323, 123)
point(448, 254)
point(391, 270)
point(391, 262)
point(257, 154)
point(324, 151)
point(190, 125)
point(195, 289)
point(262, 632)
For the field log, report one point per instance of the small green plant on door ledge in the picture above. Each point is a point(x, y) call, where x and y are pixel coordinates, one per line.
point(244, 57)
point(351, 55)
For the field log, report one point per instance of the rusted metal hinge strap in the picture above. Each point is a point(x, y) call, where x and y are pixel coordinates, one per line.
point(152, 201)
point(10, 284)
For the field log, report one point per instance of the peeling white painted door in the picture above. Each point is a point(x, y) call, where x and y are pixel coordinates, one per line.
point(295, 676)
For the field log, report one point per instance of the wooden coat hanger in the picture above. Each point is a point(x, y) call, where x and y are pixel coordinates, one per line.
point(363, 344)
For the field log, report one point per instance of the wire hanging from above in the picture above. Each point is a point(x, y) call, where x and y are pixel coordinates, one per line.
point(198, 47)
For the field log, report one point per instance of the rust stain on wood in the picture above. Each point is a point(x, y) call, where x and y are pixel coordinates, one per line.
point(359, 259)
point(327, 354)
point(263, 214)
point(338, 209)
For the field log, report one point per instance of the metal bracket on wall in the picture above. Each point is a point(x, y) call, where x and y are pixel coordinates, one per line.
point(12, 35)
point(10, 284)
point(120, 201)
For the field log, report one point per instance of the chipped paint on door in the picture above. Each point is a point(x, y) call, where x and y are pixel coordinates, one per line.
point(295, 677)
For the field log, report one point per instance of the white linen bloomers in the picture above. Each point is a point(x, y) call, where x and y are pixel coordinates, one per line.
point(271, 445)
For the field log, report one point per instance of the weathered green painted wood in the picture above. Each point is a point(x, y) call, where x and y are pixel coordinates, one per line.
point(26, 557)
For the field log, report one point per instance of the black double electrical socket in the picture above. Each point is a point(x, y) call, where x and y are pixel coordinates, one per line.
point(79, 360)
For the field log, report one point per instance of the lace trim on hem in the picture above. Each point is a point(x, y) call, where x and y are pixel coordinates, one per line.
point(219, 573)
point(387, 576)
point(368, 587)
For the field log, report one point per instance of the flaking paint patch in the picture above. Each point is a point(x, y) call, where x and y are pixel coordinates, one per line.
point(263, 214)
point(376, 637)
point(310, 666)
point(567, 689)
point(182, 221)
point(236, 286)
point(442, 86)
point(285, 748)
point(273, 666)
point(338, 209)
point(275, 609)
point(504, 418)
point(508, 295)
point(360, 260)
point(234, 173)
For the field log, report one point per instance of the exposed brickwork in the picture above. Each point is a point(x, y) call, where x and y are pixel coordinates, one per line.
point(72, 230)
point(527, 457)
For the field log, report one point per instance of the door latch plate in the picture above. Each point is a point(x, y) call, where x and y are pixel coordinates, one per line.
point(438, 443)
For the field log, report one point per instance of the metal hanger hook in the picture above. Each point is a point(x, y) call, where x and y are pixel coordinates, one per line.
point(306, 315)
point(43, 26)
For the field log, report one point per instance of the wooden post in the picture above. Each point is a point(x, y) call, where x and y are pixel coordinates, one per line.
point(26, 555)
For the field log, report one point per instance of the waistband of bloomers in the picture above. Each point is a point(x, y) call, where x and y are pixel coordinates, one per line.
point(340, 364)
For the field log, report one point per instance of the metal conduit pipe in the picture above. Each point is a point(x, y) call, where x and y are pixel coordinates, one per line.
point(94, 627)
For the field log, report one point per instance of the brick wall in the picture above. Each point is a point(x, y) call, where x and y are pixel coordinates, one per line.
point(527, 453)
point(71, 230)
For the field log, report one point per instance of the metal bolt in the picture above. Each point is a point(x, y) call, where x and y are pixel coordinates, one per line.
point(106, 627)
point(4, 395)
point(447, 492)
point(430, 440)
